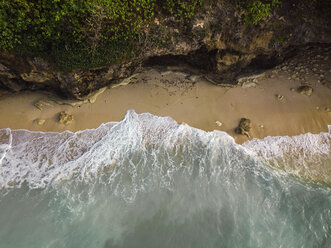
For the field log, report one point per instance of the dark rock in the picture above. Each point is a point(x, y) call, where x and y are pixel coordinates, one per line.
point(305, 90)
point(245, 125)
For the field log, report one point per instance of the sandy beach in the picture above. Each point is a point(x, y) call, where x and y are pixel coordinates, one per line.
point(270, 100)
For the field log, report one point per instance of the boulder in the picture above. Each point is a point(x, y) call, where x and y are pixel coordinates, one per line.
point(245, 125)
point(65, 118)
point(305, 90)
point(39, 122)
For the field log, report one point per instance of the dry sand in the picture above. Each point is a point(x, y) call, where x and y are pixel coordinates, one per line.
point(189, 99)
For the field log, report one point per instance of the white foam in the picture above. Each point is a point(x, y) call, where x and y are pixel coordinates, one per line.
point(307, 155)
point(40, 158)
point(5, 142)
point(127, 154)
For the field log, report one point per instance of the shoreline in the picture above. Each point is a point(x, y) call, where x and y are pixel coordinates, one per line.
point(269, 100)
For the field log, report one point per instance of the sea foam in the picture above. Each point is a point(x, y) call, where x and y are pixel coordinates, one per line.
point(306, 155)
point(38, 158)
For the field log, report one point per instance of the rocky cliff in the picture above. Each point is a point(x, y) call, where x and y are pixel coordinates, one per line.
point(217, 42)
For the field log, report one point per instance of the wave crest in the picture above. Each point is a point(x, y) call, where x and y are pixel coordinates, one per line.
point(143, 144)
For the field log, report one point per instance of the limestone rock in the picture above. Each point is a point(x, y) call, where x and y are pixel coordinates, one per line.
point(248, 84)
point(305, 90)
point(65, 118)
point(90, 99)
point(245, 125)
point(39, 122)
point(254, 78)
point(37, 76)
point(228, 59)
point(279, 97)
point(40, 104)
point(218, 123)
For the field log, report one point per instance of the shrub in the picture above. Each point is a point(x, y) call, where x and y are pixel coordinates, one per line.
point(181, 9)
point(81, 33)
point(39, 24)
point(256, 10)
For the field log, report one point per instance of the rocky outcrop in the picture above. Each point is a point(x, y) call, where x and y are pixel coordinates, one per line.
point(19, 72)
point(217, 43)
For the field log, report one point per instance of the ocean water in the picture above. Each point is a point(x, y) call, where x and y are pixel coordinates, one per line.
point(149, 182)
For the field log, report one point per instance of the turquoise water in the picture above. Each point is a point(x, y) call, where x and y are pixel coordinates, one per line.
point(149, 182)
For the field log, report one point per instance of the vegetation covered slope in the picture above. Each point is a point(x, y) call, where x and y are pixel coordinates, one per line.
point(92, 33)
point(82, 33)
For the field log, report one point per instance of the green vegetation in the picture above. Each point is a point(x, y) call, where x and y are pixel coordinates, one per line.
point(82, 33)
point(181, 9)
point(256, 10)
point(280, 39)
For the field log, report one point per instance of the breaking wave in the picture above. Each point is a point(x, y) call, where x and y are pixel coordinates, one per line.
point(149, 182)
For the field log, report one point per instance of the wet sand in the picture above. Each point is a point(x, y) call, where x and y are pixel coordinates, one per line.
point(186, 98)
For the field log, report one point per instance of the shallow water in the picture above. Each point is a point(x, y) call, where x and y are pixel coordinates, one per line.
point(149, 182)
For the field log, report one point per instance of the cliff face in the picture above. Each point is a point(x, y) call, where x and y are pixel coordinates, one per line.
point(217, 43)
point(19, 72)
